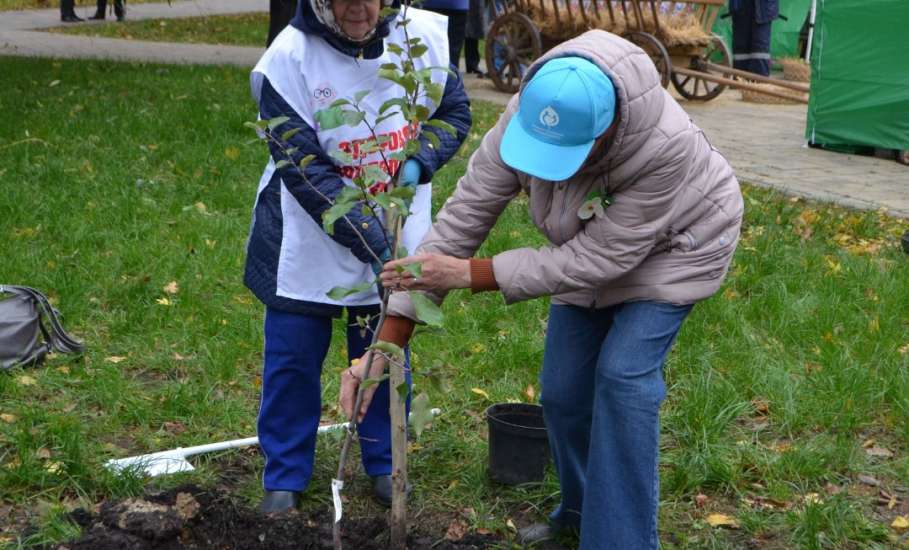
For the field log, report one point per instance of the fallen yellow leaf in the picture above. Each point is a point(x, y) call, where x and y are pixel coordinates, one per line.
point(26, 380)
point(114, 359)
point(730, 294)
point(53, 467)
point(171, 288)
point(530, 392)
point(478, 348)
point(900, 523)
point(232, 153)
point(63, 370)
point(8, 418)
point(163, 301)
point(722, 520)
point(200, 206)
point(480, 392)
point(510, 525)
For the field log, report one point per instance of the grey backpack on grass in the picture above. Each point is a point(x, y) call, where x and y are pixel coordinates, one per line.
point(25, 316)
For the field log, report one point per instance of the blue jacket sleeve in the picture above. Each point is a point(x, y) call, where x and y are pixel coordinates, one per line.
point(455, 110)
point(322, 176)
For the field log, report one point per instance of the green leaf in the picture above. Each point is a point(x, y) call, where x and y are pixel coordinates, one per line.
point(398, 155)
point(282, 163)
point(277, 121)
point(434, 92)
point(395, 49)
point(330, 118)
point(333, 214)
point(304, 162)
point(415, 269)
point(290, 133)
point(257, 126)
point(349, 194)
point(341, 156)
point(421, 112)
point(385, 12)
point(442, 125)
point(389, 201)
point(354, 118)
point(290, 152)
point(420, 413)
point(358, 97)
point(384, 118)
point(402, 23)
point(413, 146)
point(434, 140)
point(390, 349)
point(373, 381)
point(404, 193)
point(388, 66)
point(426, 310)
point(366, 211)
point(402, 252)
point(418, 50)
point(339, 292)
point(339, 103)
point(403, 391)
point(399, 101)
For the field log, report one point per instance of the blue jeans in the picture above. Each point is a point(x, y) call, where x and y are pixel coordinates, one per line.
point(602, 385)
point(295, 348)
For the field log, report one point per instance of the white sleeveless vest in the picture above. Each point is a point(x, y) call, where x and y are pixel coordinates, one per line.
point(310, 75)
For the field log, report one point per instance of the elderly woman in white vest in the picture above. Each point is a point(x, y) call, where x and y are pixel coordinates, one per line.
point(331, 50)
point(642, 214)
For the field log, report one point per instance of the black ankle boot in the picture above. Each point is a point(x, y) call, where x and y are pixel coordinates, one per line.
point(99, 16)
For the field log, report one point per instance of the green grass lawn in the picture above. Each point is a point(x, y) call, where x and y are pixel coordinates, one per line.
point(119, 179)
point(249, 29)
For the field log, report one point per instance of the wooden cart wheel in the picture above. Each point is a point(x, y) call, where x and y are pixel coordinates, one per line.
point(655, 49)
point(698, 89)
point(512, 44)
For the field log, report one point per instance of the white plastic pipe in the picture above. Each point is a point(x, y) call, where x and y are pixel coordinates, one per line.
point(174, 460)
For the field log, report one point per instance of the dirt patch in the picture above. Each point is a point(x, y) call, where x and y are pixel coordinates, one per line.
point(192, 518)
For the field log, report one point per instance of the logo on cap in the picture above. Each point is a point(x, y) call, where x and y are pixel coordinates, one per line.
point(549, 117)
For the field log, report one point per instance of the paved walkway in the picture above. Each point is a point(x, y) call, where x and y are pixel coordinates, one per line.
point(764, 143)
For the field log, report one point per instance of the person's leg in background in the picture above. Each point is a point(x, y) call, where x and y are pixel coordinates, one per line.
point(760, 48)
point(375, 430)
point(472, 56)
point(295, 347)
point(100, 11)
point(68, 12)
point(622, 492)
point(742, 25)
point(457, 21)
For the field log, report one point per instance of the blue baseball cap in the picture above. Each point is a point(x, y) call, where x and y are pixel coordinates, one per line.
point(564, 108)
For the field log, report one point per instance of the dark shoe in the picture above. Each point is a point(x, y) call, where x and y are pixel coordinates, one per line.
point(381, 489)
point(536, 533)
point(71, 18)
point(121, 17)
point(279, 501)
point(97, 17)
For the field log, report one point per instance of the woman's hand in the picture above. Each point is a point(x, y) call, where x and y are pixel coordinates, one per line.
point(351, 378)
point(438, 273)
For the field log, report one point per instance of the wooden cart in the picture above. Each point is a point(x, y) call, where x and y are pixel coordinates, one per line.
point(676, 35)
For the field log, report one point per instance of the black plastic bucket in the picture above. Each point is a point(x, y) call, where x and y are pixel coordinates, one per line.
point(518, 446)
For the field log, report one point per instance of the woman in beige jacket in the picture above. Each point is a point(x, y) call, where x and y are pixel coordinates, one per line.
point(643, 215)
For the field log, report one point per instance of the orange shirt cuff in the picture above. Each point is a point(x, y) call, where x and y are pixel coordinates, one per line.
point(396, 330)
point(482, 277)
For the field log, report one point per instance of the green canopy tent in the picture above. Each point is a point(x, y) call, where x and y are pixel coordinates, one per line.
point(859, 75)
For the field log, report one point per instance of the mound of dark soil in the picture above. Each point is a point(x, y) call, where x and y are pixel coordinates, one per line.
point(191, 518)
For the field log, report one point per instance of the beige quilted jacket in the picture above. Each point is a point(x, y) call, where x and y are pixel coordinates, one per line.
point(669, 234)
